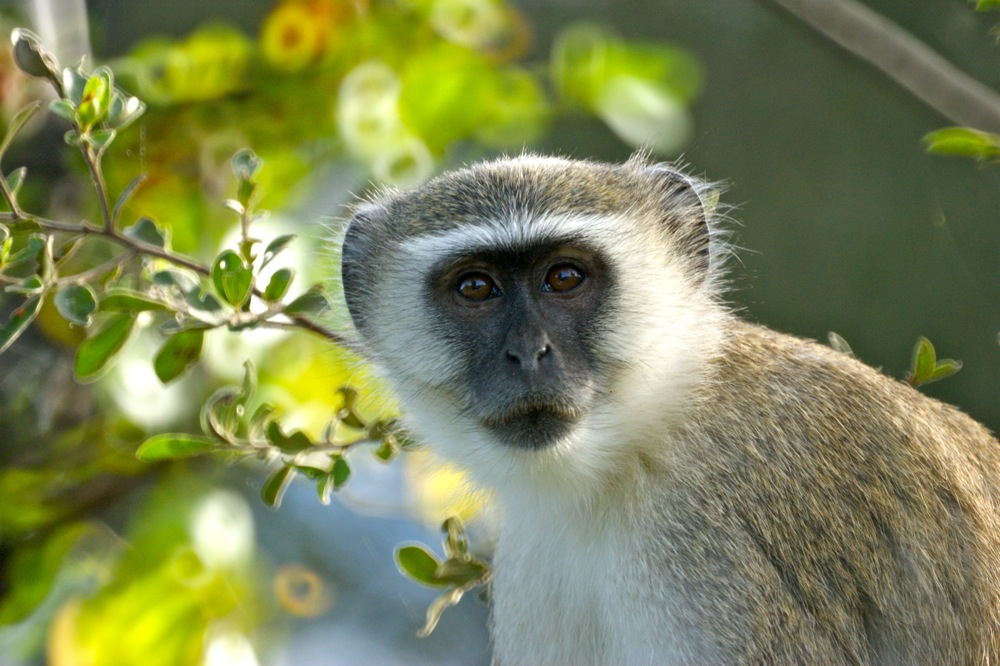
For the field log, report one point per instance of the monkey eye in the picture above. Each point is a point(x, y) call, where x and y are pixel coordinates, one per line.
point(477, 287)
point(562, 278)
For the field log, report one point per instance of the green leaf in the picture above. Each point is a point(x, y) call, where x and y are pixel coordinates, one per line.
point(278, 285)
point(246, 164)
point(30, 286)
point(147, 231)
point(18, 321)
point(275, 247)
point(455, 544)
point(223, 411)
point(262, 417)
point(99, 140)
point(297, 441)
point(417, 563)
point(15, 180)
point(986, 5)
point(127, 194)
point(312, 302)
point(95, 353)
point(178, 354)
point(385, 451)
point(31, 57)
point(276, 484)
point(924, 359)
point(64, 109)
point(460, 571)
point(5, 242)
point(174, 446)
point(341, 472)
point(16, 123)
point(324, 488)
point(128, 301)
point(33, 246)
point(965, 142)
point(925, 367)
point(77, 304)
point(232, 277)
point(124, 110)
point(839, 343)
point(184, 281)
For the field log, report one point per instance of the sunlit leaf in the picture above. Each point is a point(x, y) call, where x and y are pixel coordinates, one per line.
point(986, 5)
point(417, 563)
point(178, 354)
point(276, 484)
point(76, 303)
point(174, 446)
point(18, 321)
point(232, 277)
point(95, 353)
point(965, 142)
point(925, 367)
point(278, 285)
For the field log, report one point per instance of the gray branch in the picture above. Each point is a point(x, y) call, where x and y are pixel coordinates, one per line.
point(903, 58)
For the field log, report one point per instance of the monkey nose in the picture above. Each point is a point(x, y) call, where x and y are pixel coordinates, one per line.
point(529, 356)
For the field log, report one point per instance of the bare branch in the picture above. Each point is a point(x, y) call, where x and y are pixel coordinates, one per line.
point(903, 58)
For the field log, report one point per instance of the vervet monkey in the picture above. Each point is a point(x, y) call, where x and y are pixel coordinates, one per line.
point(675, 485)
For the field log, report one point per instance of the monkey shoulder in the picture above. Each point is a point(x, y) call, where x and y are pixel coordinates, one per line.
point(837, 494)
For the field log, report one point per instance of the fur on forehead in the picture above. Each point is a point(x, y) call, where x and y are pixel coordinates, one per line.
point(521, 199)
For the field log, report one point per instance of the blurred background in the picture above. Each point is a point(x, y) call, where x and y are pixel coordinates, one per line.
point(843, 221)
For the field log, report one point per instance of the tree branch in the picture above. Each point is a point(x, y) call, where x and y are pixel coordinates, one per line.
point(903, 58)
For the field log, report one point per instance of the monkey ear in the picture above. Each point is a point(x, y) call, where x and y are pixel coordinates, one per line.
point(687, 206)
point(356, 254)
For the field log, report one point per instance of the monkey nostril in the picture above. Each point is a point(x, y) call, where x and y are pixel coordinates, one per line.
point(544, 352)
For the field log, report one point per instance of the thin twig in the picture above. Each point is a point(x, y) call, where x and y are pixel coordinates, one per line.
point(903, 58)
point(94, 165)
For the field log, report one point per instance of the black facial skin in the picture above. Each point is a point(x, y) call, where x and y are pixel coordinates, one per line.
point(525, 319)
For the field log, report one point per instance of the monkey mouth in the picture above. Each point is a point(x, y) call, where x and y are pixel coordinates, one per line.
point(533, 425)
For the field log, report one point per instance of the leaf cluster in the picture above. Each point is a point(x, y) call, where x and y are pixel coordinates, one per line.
point(460, 571)
point(231, 429)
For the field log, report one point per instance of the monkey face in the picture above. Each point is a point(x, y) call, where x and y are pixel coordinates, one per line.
point(527, 312)
point(525, 322)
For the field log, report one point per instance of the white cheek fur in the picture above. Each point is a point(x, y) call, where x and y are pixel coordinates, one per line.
point(659, 344)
